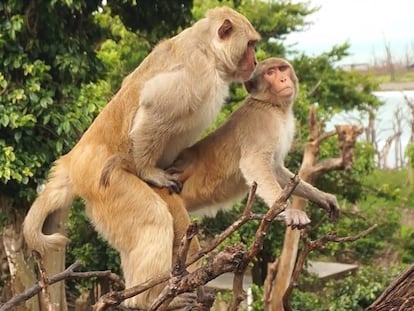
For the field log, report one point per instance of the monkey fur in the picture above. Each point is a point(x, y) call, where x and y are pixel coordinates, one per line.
point(160, 109)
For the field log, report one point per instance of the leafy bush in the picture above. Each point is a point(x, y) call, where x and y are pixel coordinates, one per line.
point(353, 293)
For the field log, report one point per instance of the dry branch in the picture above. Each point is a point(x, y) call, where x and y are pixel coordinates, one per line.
point(232, 259)
point(310, 246)
point(398, 296)
point(69, 273)
point(311, 168)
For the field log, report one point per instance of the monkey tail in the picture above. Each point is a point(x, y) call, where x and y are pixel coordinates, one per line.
point(58, 194)
point(121, 160)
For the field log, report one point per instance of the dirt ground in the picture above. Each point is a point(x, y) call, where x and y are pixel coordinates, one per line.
point(397, 86)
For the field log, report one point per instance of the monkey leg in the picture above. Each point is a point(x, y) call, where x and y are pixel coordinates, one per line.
point(137, 223)
point(181, 221)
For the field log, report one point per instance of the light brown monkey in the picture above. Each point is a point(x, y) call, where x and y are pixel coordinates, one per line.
point(162, 106)
point(250, 146)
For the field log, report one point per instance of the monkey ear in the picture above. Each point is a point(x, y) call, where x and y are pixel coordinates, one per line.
point(225, 29)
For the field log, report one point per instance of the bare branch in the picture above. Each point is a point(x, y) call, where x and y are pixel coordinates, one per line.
point(44, 281)
point(231, 259)
point(272, 268)
point(278, 206)
point(310, 246)
point(67, 274)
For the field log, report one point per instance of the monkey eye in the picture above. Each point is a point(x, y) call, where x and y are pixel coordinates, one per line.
point(271, 71)
point(283, 68)
point(251, 43)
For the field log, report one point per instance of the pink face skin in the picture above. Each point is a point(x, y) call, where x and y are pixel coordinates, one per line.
point(279, 78)
point(248, 62)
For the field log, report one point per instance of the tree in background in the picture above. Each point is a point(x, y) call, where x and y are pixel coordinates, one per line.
point(49, 94)
point(52, 86)
point(61, 61)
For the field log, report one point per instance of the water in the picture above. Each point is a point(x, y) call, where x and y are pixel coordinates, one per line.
point(385, 122)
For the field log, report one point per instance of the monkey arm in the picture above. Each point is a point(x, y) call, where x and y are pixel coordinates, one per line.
point(256, 167)
point(305, 190)
point(148, 150)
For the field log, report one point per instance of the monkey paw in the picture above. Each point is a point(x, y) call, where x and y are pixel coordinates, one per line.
point(330, 204)
point(294, 218)
point(161, 179)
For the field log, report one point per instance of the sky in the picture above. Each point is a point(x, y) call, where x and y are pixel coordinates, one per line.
point(365, 24)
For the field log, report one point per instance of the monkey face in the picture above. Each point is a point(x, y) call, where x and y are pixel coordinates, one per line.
point(279, 78)
point(248, 62)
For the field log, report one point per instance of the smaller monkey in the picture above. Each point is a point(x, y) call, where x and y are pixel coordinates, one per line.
point(250, 146)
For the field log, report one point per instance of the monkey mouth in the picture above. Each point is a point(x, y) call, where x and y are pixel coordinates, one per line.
point(285, 88)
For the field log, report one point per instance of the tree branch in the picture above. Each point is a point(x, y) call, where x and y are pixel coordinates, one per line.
point(69, 273)
point(310, 246)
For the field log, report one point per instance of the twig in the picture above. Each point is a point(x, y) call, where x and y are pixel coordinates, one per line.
point(178, 271)
point(394, 290)
point(323, 136)
point(278, 206)
point(114, 298)
point(232, 228)
point(272, 268)
point(310, 246)
point(44, 281)
point(67, 274)
point(231, 259)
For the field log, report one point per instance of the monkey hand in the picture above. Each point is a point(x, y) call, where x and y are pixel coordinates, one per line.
point(295, 218)
point(161, 179)
point(179, 173)
point(329, 203)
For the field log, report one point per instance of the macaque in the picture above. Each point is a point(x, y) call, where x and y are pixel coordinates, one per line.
point(161, 108)
point(250, 146)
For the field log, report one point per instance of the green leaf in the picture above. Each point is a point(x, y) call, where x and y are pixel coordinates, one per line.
point(4, 120)
point(17, 136)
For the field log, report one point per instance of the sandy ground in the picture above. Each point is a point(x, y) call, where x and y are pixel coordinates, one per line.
point(397, 86)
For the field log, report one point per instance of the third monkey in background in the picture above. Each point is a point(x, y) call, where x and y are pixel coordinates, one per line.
point(250, 146)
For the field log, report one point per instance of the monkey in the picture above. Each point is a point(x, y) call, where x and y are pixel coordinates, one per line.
point(199, 103)
point(250, 146)
point(160, 109)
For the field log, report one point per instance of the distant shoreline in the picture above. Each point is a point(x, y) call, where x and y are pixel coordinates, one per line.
point(397, 86)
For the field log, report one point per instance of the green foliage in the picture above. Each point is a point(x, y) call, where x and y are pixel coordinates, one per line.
point(153, 19)
point(347, 184)
point(42, 73)
point(410, 154)
point(88, 247)
point(406, 244)
point(355, 292)
point(393, 186)
point(333, 88)
point(122, 52)
point(275, 19)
